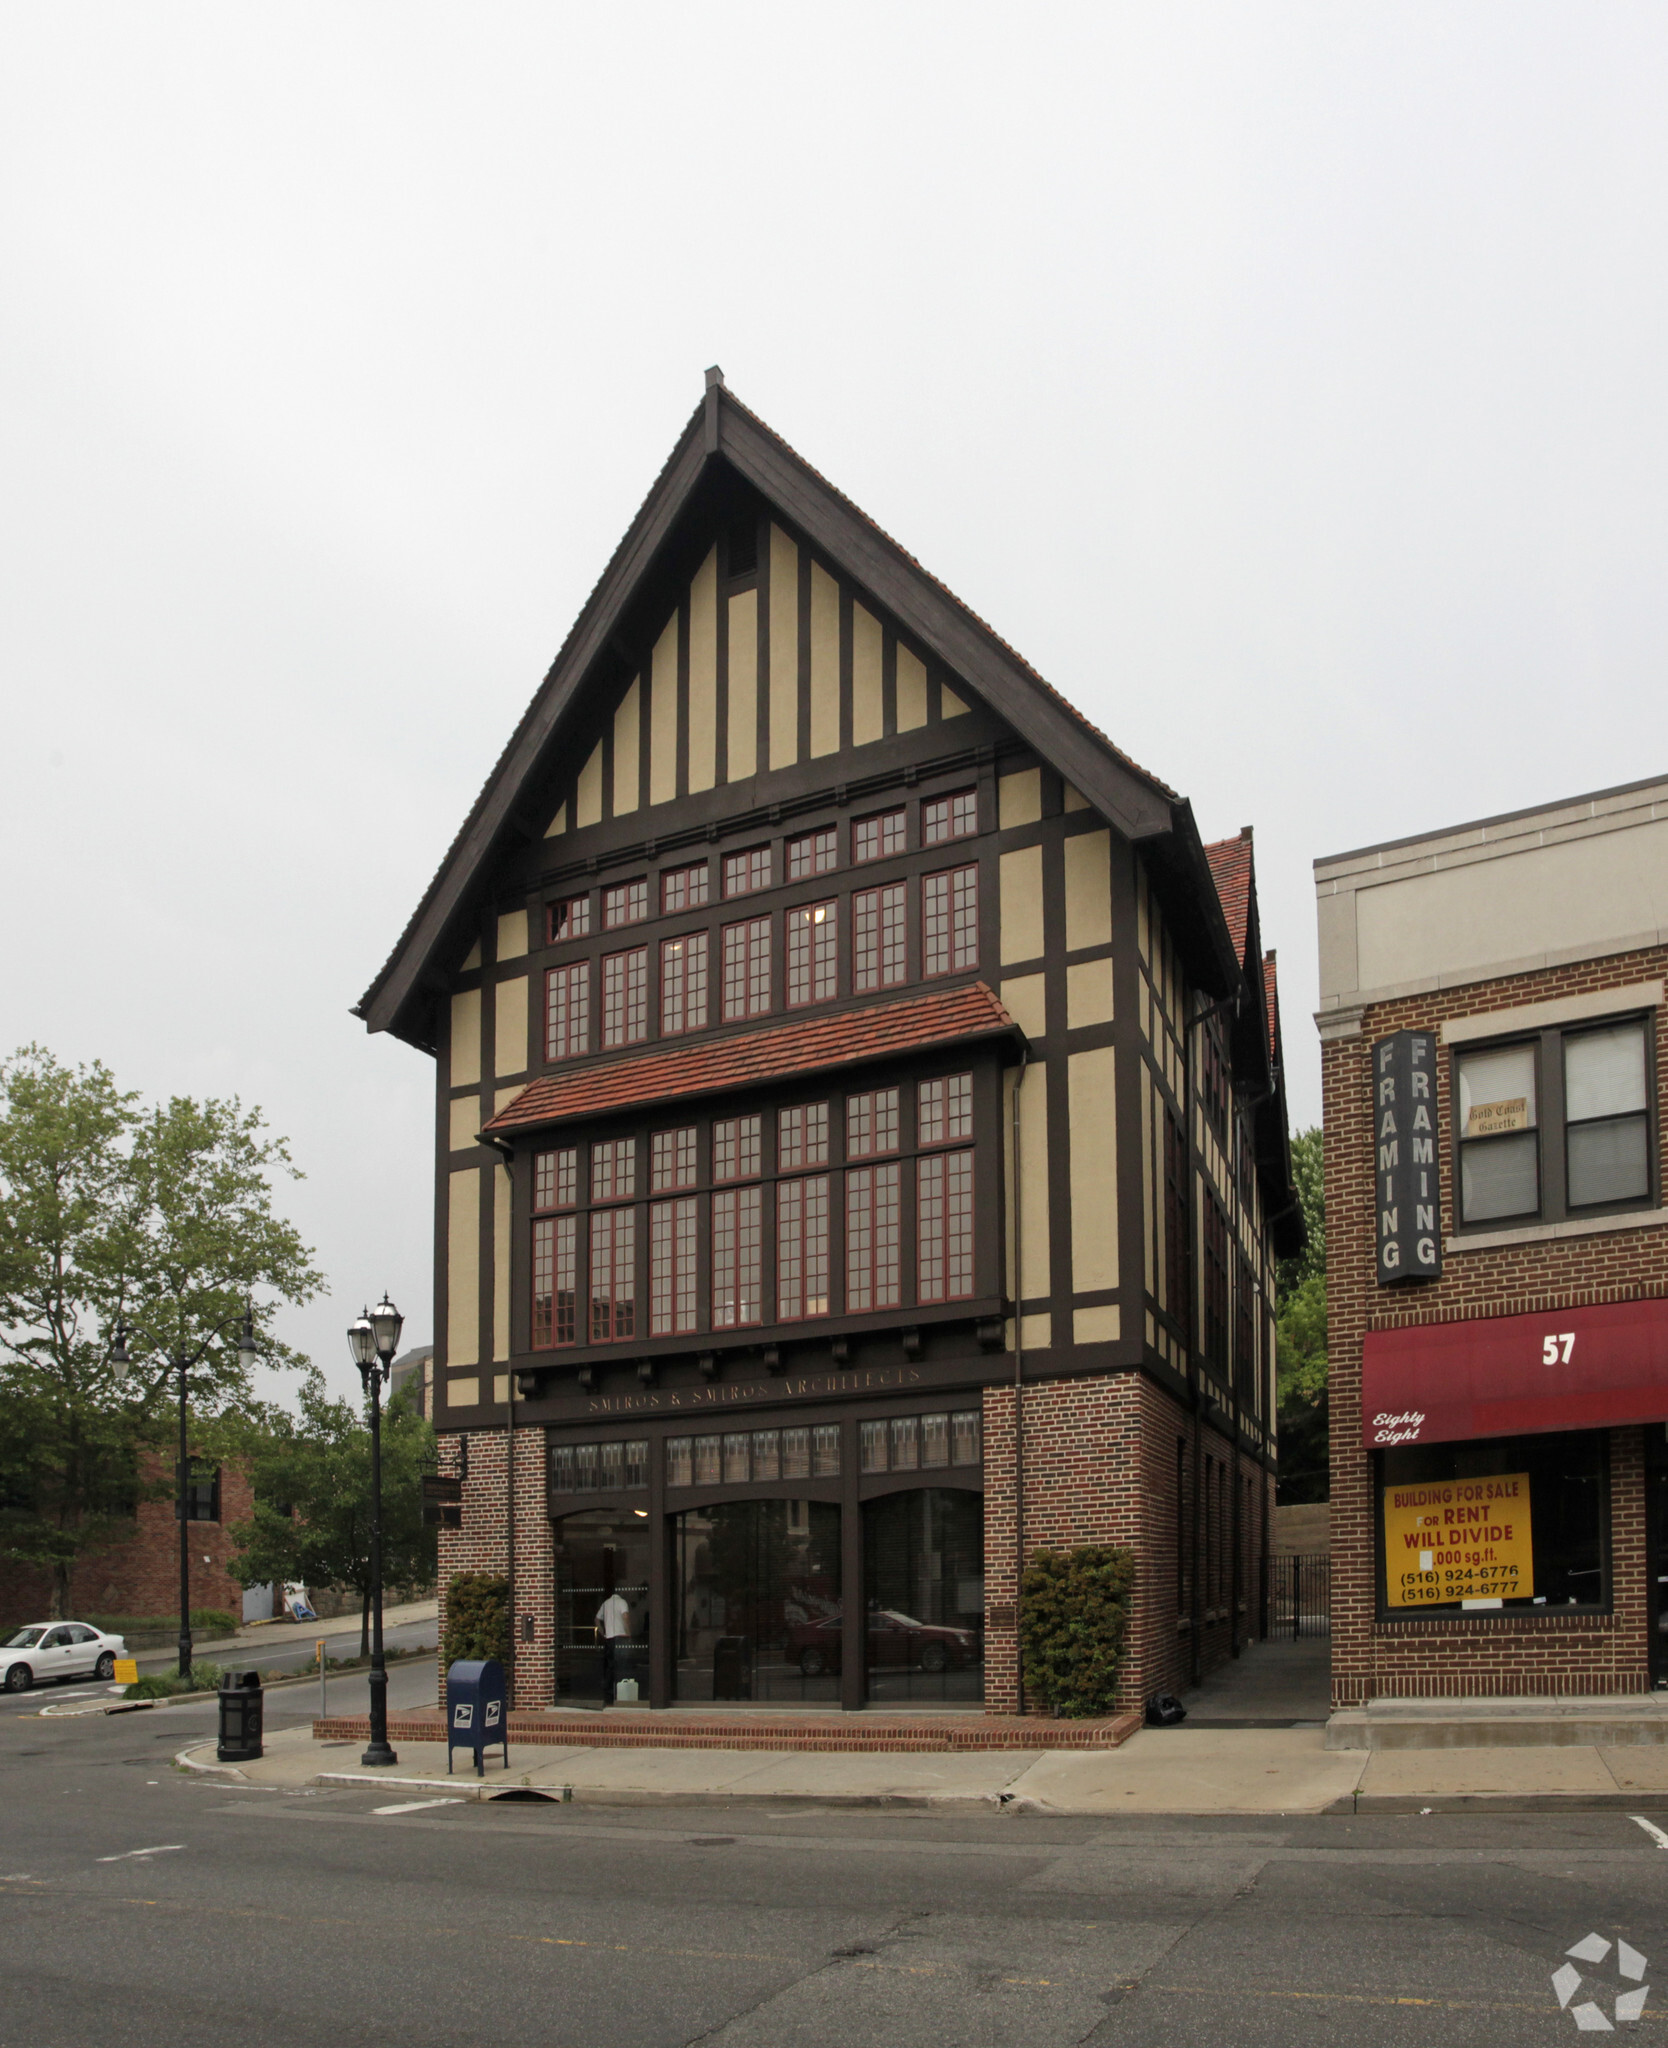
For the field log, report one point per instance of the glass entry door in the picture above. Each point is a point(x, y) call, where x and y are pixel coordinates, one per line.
point(924, 1553)
point(759, 1601)
point(599, 1555)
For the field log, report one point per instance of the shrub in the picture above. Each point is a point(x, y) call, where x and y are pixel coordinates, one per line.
point(205, 1621)
point(477, 1617)
point(1074, 1616)
point(163, 1685)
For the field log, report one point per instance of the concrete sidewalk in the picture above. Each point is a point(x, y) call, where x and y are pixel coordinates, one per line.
point(1171, 1770)
point(262, 1636)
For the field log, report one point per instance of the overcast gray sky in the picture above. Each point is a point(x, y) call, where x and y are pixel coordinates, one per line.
point(1285, 381)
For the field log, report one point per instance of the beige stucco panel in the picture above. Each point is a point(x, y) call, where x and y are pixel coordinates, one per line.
point(912, 691)
point(663, 715)
point(1096, 1325)
point(1032, 1179)
point(784, 650)
point(464, 1121)
point(1024, 999)
point(744, 686)
point(509, 1037)
point(587, 798)
point(1088, 891)
point(463, 1267)
point(825, 662)
point(500, 1264)
point(1019, 798)
point(1094, 1181)
point(512, 935)
point(628, 749)
point(703, 675)
point(867, 709)
point(1088, 994)
point(559, 824)
point(1022, 904)
point(463, 1393)
point(466, 1038)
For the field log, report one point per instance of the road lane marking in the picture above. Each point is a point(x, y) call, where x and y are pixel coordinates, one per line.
point(161, 1849)
point(1651, 1829)
point(416, 1805)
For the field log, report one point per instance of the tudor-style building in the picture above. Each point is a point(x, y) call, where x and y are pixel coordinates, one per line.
point(817, 1001)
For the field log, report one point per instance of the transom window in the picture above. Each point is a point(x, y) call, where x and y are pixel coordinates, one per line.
point(1551, 1126)
point(813, 853)
point(683, 889)
point(949, 817)
point(625, 903)
point(753, 1455)
point(915, 1443)
point(880, 836)
point(599, 1468)
point(569, 920)
point(746, 872)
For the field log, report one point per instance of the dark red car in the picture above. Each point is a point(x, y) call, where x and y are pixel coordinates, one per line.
point(896, 1641)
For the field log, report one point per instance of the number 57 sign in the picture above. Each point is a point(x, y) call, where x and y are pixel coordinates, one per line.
point(1444, 1382)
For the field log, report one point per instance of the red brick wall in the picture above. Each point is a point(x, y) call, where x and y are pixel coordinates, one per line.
point(482, 1545)
point(141, 1575)
point(1483, 1654)
point(1100, 1467)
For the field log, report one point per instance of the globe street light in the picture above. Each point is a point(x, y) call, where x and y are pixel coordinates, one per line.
point(181, 1361)
point(373, 1339)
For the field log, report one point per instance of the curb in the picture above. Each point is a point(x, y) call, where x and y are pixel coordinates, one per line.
point(483, 1792)
point(184, 1761)
point(1500, 1802)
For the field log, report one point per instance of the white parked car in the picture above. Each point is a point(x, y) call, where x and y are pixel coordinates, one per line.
point(57, 1649)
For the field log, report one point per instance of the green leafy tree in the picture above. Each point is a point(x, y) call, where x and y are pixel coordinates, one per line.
point(108, 1208)
point(1300, 1355)
point(312, 1485)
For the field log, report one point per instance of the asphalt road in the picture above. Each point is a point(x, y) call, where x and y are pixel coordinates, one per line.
point(296, 1653)
point(143, 1907)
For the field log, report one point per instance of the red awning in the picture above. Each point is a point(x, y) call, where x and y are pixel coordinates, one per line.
point(1567, 1368)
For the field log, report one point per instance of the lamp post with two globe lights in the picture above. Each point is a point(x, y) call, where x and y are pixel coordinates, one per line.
point(373, 1339)
point(181, 1361)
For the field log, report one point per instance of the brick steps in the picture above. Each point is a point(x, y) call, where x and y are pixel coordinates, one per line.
point(960, 1733)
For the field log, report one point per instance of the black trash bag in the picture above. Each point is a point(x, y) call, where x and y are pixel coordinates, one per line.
point(1164, 1710)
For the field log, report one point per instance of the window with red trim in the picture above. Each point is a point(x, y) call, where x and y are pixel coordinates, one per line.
point(871, 1123)
point(555, 1249)
point(737, 1257)
point(949, 817)
point(683, 889)
point(880, 937)
point(950, 921)
point(672, 1160)
point(944, 1226)
point(813, 954)
point(567, 1010)
point(625, 903)
point(813, 853)
point(746, 872)
point(613, 1275)
point(737, 1147)
point(877, 837)
point(625, 997)
point(614, 1170)
point(569, 920)
point(672, 1238)
point(873, 1244)
point(747, 969)
point(802, 1248)
point(946, 1109)
point(802, 1136)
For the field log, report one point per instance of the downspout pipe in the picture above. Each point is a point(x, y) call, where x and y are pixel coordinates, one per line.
point(506, 1159)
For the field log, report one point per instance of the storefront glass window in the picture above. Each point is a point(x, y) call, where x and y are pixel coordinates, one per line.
point(1517, 1523)
point(759, 1601)
point(925, 1595)
point(601, 1554)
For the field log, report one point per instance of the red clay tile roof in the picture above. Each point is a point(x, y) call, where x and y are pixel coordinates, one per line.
point(752, 1057)
point(1230, 863)
point(1271, 996)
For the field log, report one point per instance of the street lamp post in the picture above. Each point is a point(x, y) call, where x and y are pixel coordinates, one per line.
point(181, 1361)
point(373, 1340)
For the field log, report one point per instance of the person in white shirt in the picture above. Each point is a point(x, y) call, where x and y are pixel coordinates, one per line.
point(613, 1627)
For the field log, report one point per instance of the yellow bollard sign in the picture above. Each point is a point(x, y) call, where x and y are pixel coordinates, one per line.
point(127, 1671)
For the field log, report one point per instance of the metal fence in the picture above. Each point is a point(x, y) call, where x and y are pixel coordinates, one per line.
point(1299, 1595)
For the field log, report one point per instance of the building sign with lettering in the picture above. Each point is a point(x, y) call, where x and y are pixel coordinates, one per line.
point(1407, 1206)
point(1458, 1539)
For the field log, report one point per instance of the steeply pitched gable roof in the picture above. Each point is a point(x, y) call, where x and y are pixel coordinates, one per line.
point(723, 431)
point(1230, 866)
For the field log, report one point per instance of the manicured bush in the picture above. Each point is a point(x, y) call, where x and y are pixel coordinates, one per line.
point(477, 1617)
point(1073, 1620)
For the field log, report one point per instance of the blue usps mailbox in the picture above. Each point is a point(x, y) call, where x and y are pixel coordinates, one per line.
point(476, 1710)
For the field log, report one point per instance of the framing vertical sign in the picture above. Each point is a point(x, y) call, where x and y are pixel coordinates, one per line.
point(1407, 1200)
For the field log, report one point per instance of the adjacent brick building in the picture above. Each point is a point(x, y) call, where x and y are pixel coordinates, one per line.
point(1492, 1030)
point(859, 1135)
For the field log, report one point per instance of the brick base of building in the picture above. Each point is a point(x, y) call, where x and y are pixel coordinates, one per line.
point(792, 1729)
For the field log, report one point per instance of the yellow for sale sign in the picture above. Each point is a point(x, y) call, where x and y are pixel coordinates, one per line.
point(1458, 1539)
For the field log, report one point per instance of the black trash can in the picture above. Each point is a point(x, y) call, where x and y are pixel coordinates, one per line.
point(241, 1702)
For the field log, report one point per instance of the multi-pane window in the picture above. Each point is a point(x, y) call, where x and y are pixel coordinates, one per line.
point(871, 1123)
point(736, 1147)
point(946, 1109)
point(737, 1257)
point(614, 1170)
point(672, 1160)
point(683, 984)
point(802, 1248)
point(746, 872)
point(1582, 1094)
point(873, 1225)
point(599, 1468)
point(625, 997)
point(683, 889)
point(813, 853)
point(672, 1237)
point(950, 921)
point(914, 1443)
point(944, 1226)
point(1176, 1251)
point(878, 837)
point(1213, 1081)
point(555, 1250)
point(747, 969)
point(802, 1136)
point(568, 920)
point(625, 903)
point(880, 937)
point(1214, 1232)
point(567, 1011)
point(949, 817)
point(613, 1275)
point(813, 954)
point(754, 1455)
